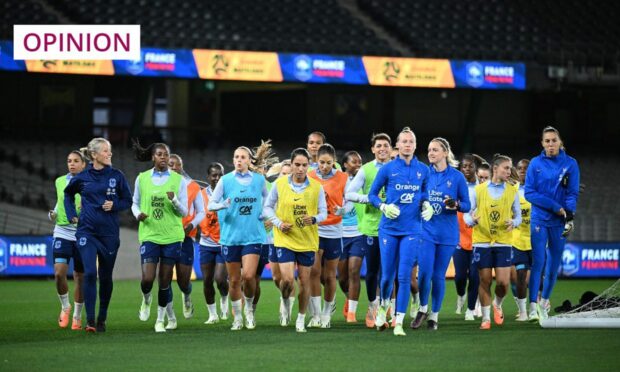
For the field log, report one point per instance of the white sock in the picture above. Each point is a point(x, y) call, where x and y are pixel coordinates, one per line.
point(544, 302)
point(374, 304)
point(301, 318)
point(423, 308)
point(462, 298)
point(249, 304)
point(385, 304)
point(212, 309)
point(400, 317)
point(147, 297)
point(416, 298)
point(352, 306)
point(236, 309)
point(521, 303)
point(64, 301)
point(327, 308)
point(161, 313)
point(532, 306)
point(486, 313)
point(434, 316)
point(224, 304)
point(286, 303)
point(315, 303)
point(393, 306)
point(170, 311)
point(497, 301)
point(77, 310)
point(292, 302)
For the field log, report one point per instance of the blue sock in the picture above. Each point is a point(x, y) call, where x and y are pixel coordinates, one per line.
point(163, 295)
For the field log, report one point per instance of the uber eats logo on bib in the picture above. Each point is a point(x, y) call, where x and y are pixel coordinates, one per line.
point(157, 203)
point(299, 211)
point(494, 216)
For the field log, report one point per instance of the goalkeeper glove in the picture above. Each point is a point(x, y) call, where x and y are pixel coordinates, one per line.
point(390, 211)
point(427, 211)
point(569, 225)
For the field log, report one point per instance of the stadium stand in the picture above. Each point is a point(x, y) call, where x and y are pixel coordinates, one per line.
point(579, 31)
point(320, 26)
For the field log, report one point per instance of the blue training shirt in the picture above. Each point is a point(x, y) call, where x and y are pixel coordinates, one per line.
point(406, 187)
point(552, 183)
point(95, 187)
point(240, 223)
point(443, 228)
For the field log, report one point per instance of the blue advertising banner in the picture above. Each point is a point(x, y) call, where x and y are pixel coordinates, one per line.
point(321, 68)
point(488, 74)
point(6, 58)
point(591, 260)
point(26, 255)
point(160, 63)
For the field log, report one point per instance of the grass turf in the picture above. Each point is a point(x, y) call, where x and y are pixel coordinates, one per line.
point(31, 340)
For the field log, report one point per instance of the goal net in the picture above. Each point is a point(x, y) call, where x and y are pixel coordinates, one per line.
point(602, 312)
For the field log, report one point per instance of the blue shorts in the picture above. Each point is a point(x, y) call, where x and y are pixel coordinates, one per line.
point(210, 254)
point(273, 254)
point(152, 252)
point(187, 252)
point(521, 260)
point(301, 258)
point(264, 258)
point(490, 257)
point(331, 247)
point(64, 251)
point(233, 253)
point(353, 247)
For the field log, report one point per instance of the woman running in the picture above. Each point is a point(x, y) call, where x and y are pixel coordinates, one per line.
point(405, 182)
point(195, 215)
point(104, 193)
point(212, 263)
point(353, 246)
point(495, 213)
point(238, 199)
point(159, 205)
point(465, 273)
point(552, 186)
point(265, 157)
point(334, 183)
point(369, 217)
point(295, 205)
point(282, 169)
point(65, 247)
point(522, 247)
point(447, 193)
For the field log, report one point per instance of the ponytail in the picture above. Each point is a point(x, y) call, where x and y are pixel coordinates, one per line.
point(146, 154)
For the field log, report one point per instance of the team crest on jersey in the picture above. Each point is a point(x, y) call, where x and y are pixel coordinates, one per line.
point(82, 241)
point(112, 182)
point(537, 228)
point(384, 241)
point(449, 183)
point(419, 175)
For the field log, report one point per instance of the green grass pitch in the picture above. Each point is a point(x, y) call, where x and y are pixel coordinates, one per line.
point(31, 340)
